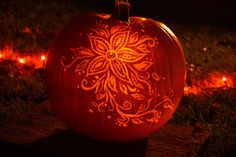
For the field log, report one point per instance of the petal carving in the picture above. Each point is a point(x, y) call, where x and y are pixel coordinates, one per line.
point(120, 70)
point(101, 32)
point(97, 65)
point(99, 87)
point(119, 40)
point(123, 88)
point(118, 29)
point(129, 55)
point(138, 96)
point(81, 66)
point(143, 66)
point(143, 48)
point(82, 52)
point(112, 83)
point(133, 38)
point(99, 45)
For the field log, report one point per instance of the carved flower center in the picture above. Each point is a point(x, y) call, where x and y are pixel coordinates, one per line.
point(111, 54)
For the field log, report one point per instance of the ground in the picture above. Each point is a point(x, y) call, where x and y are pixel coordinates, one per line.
point(41, 131)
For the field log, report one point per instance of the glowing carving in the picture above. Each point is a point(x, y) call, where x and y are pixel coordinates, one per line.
point(120, 62)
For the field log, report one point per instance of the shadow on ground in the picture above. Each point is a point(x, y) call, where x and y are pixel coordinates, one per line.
point(70, 144)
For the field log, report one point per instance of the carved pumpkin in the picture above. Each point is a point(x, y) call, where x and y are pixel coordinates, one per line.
point(115, 78)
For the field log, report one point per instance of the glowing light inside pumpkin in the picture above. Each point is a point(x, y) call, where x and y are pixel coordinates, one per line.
point(112, 58)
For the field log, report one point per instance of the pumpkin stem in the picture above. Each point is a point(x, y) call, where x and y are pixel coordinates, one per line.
point(121, 11)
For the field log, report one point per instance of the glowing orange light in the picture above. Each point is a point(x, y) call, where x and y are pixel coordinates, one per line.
point(224, 79)
point(186, 90)
point(43, 58)
point(26, 30)
point(1, 56)
point(21, 60)
point(192, 90)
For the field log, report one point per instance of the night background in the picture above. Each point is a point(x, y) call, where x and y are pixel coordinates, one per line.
point(203, 125)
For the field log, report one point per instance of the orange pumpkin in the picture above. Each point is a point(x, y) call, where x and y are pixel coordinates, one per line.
point(115, 78)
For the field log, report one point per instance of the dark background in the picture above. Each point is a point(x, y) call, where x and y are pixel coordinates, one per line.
point(221, 12)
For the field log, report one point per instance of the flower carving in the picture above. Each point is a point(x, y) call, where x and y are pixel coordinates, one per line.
point(117, 62)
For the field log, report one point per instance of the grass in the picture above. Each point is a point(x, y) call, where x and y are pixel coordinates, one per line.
point(208, 48)
point(30, 27)
point(20, 87)
point(216, 108)
point(217, 114)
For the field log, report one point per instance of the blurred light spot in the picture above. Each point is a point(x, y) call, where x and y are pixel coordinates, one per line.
point(43, 58)
point(21, 60)
point(224, 79)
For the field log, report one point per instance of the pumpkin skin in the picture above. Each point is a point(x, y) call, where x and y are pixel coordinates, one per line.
point(113, 80)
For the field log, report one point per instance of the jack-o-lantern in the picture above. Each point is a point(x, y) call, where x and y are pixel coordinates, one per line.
point(115, 78)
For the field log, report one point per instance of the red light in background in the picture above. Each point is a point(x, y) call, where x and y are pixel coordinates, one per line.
point(218, 80)
point(187, 90)
point(21, 60)
point(26, 30)
point(43, 58)
point(192, 90)
point(224, 79)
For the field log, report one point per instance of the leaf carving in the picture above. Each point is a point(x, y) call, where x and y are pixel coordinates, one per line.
point(155, 76)
point(82, 52)
point(81, 66)
point(113, 103)
point(143, 48)
point(117, 29)
point(95, 104)
point(101, 32)
point(145, 40)
point(137, 121)
point(112, 83)
point(99, 87)
point(138, 96)
point(143, 66)
point(101, 96)
point(133, 38)
point(123, 88)
point(144, 106)
point(135, 82)
point(132, 89)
